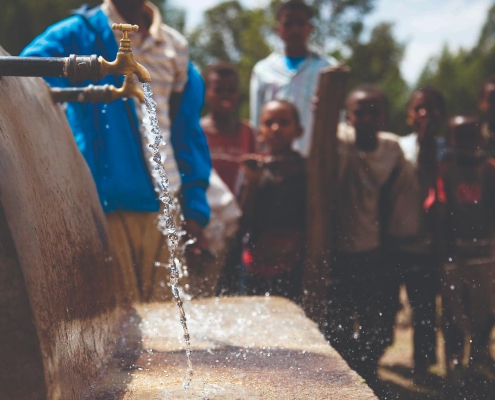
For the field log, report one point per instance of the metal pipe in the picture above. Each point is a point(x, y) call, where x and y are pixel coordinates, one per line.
point(90, 94)
point(74, 67)
point(32, 66)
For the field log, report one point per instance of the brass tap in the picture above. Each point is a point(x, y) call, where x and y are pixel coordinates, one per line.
point(128, 89)
point(96, 94)
point(124, 64)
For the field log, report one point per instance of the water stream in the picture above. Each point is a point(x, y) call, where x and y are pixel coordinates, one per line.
point(167, 223)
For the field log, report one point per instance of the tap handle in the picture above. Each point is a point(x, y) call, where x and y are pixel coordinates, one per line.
point(125, 28)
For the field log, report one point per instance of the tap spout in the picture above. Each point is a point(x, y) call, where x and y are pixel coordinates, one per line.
point(96, 94)
point(124, 64)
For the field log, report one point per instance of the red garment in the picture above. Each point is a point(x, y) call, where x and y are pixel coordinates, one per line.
point(276, 251)
point(226, 151)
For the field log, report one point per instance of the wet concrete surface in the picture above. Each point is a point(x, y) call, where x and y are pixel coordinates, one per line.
point(246, 348)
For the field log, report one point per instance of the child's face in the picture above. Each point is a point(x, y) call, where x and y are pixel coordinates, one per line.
point(487, 102)
point(366, 113)
point(422, 108)
point(294, 27)
point(278, 127)
point(465, 136)
point(222, 93)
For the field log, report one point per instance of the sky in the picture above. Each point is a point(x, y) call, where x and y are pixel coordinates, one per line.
point(425, 26)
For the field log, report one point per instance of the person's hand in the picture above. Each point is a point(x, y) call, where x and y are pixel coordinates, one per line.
point(428, 126)
point(428, 133)
point(196, 247)
point(250, 166)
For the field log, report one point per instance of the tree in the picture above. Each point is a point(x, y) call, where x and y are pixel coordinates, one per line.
point(173, 16)
point(233, 34)
point(338, 21)
point(459, 75)
point(22, 20)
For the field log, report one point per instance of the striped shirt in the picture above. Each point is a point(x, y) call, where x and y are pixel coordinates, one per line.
point(164, 53)
point(272, 79)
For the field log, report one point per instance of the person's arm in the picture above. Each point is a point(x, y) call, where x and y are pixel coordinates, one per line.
point(252, 140)
point(444, 208)
point(491, 186)
point(247, 184)
point(174, 105)
point(256, 97)
point(59, 40)
point(389, 205)
point(428, 153)
point(192, 153)
point(405, 202)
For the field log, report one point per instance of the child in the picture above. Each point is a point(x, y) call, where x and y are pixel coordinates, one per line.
point(363, 296)
point(291, 75)
point(468, 180)
point(414, 252)
point(228, 138)
point(273, 200)
point(487, 106)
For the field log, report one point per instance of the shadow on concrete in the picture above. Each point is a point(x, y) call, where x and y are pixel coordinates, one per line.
point(400, 384)
point(113, 382)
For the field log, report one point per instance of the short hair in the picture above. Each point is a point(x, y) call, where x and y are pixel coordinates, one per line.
point(370, 89)
point(435, 93)
point(294, 5)
point(222, 69)
point(295, 111)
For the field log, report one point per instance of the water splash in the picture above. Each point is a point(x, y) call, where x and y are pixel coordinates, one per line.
point(209, 391)
point(166, 222)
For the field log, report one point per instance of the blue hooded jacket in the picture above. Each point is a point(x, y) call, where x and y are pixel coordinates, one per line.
point(108, 134)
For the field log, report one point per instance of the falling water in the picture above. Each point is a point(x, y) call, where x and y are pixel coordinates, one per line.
point(167, 224)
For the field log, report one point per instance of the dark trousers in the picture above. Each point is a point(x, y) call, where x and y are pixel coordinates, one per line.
point(420, 274)
point(230, 281)
point(362, 305)
point(287, 284)
point(468, 308)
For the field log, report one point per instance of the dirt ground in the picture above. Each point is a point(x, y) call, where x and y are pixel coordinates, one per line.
point(395, 371)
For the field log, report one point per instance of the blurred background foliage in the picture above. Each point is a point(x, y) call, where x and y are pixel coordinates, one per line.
point(240, 35)
point(460, 74)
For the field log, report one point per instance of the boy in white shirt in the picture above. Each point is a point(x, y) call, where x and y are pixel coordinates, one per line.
point(291, 75)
